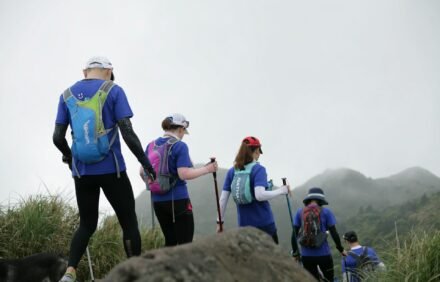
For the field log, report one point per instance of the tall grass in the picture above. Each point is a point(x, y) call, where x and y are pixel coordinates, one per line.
point(415, 259)
point(106, 247)
point(46, 223)
point(36, 224)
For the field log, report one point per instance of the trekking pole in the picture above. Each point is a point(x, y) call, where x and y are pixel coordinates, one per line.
point(216, 197)
point(152, 211)
point(90, 264)
point(298, 253)
point(346, 270)
point(151, 200)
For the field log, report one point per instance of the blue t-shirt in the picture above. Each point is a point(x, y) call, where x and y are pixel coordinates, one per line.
point(115, 108)
point(257, 213)
point(327, 220)
point(350, 262)
point(178, 157)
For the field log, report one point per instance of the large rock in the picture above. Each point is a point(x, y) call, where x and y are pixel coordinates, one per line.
point(244, 254)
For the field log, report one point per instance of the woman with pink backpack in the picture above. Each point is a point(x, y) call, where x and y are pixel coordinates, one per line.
point(170, 159)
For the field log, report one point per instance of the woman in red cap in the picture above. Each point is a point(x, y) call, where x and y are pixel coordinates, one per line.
point(247, 182)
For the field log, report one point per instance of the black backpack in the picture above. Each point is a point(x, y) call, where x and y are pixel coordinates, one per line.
point(310, 233)
point(364, 264)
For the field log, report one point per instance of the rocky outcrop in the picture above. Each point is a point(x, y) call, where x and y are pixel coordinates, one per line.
point(244, 254)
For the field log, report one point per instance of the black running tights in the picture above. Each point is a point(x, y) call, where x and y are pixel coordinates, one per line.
point(119, 193)
point(180, 231)
point(325, 264)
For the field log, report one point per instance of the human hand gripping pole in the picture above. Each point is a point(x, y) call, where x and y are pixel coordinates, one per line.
point(220, 222)
point(297, 254)
point(149, 171)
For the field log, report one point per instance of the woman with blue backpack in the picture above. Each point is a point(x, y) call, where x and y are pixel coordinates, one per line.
point(247, 182)
point(170, 159)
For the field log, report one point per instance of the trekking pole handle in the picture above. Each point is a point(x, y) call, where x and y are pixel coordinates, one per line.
point(214, 173)
point(285, 183)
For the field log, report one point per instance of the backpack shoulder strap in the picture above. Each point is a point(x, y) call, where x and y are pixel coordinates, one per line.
point(106, 86)
point(365, 251)
point(67, 94)
point(356, 257)
point(249, 166)
point(353, 254)
point(172, 140)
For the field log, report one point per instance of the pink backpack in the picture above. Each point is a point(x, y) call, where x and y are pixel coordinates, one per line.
point(158, 156)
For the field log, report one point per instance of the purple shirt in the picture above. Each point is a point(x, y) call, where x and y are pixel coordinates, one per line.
point(115, 108)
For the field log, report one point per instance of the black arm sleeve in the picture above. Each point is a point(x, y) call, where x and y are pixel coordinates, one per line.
point(335, 236)
point(59, 139)
point(133, 142)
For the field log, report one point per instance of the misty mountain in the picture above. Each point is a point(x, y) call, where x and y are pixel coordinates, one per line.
point(347, 192)
point(379, 227)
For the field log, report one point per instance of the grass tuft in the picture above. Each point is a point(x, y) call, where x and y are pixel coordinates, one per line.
point(46, 223)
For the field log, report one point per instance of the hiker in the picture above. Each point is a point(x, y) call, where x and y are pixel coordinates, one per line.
point(311, 226)
point(360, 260)
point(171, 201)
point(247, 182)
point(95, 108)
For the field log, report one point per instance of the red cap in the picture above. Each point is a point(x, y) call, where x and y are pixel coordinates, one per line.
point(253, 142)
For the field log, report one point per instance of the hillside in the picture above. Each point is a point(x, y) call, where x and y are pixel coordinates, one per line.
point(378, 228)
point(347, 191)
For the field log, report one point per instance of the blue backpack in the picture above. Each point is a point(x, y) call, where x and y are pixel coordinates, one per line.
point(364, 265)
point(90, 139)
point(241, 185)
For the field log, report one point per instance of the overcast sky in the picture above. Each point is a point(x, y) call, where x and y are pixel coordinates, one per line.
point(323, 84)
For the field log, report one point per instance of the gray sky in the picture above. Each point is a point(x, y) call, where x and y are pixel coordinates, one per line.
point(323, 84)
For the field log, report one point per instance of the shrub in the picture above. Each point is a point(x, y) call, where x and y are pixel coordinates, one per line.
point(46, 223)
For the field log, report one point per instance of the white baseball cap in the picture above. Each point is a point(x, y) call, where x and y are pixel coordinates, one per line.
point(98, 62)
point(179, 119)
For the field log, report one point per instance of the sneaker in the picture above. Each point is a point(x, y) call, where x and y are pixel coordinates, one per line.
point(68, 277)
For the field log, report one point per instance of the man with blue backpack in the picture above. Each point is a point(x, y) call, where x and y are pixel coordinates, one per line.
point(361, 261)
point(96, 109)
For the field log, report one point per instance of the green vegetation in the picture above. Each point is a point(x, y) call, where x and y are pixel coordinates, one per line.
point(377, 227)
point(46, 224)
point(37, 224)
point(416, 259)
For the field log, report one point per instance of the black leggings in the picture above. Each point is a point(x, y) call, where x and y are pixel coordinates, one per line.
point(119, 193)
point(180, 231)
point(325, 264)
